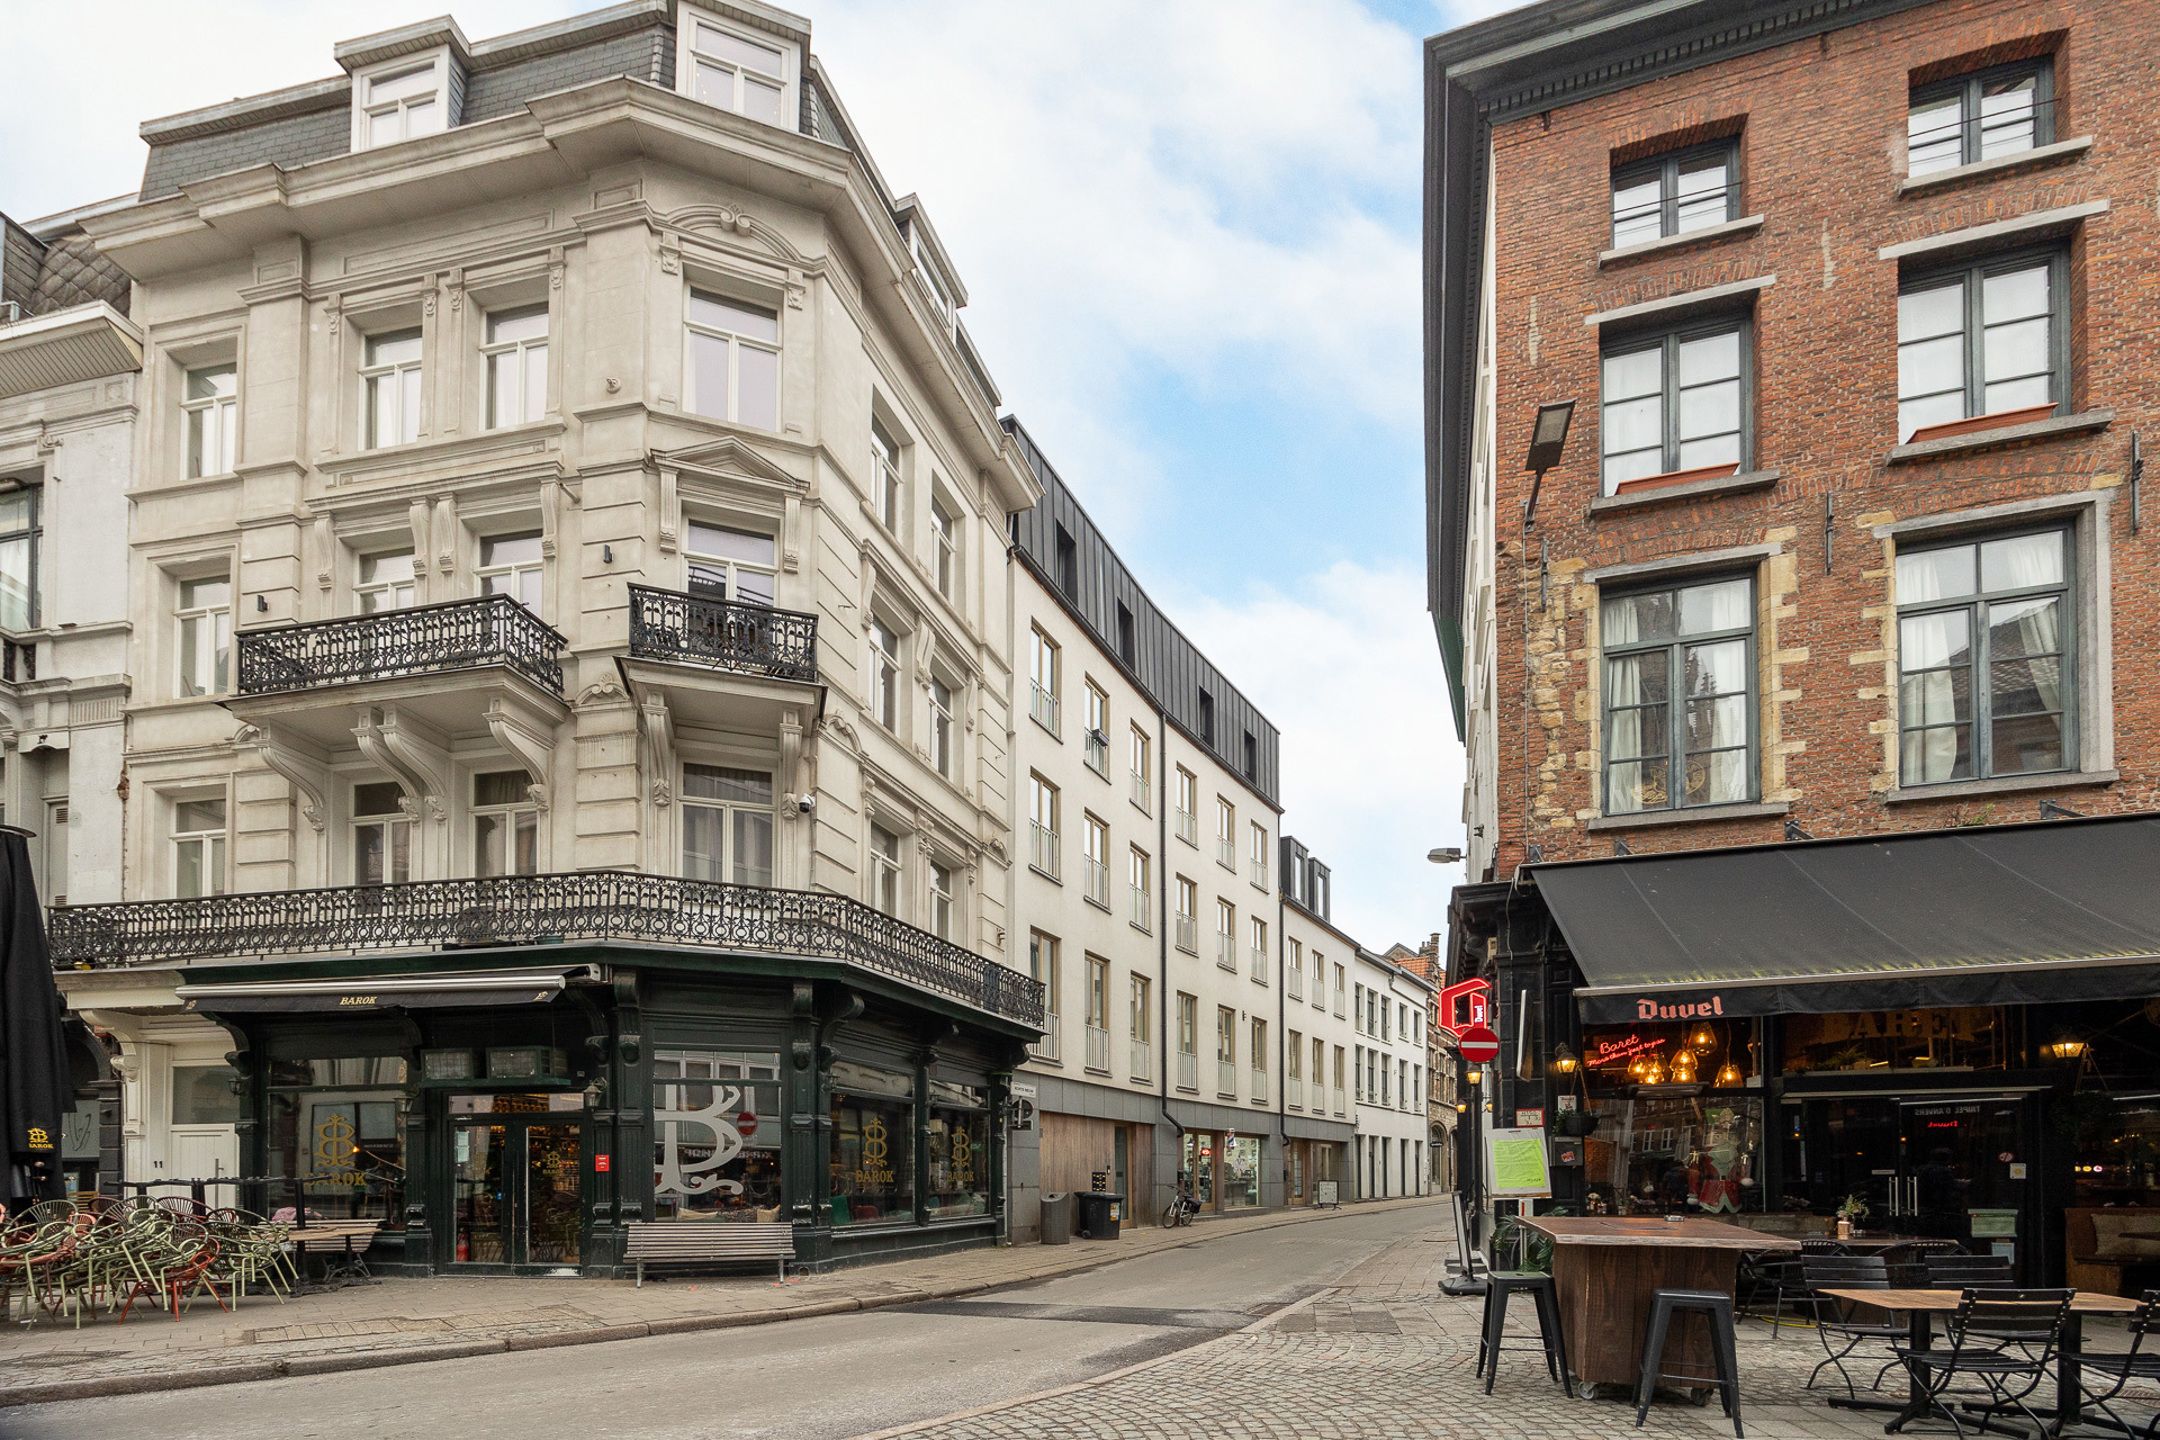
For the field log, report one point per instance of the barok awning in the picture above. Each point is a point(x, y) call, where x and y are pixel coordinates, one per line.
point(2012, 914)
point(350, 996)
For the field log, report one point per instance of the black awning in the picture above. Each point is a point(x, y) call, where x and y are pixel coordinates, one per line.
point(356, 996)
point(2061, 910)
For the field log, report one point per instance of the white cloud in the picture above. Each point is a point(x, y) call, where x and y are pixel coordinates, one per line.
point(1372, 776)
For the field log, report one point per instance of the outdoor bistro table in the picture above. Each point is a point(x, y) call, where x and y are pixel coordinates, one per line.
point(1606, 1268)
point(1920, 1307)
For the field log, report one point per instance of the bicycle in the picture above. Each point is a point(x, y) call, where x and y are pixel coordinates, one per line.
point(1182, 1207)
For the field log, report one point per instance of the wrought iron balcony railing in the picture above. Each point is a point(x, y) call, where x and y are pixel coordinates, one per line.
point(591, 905)
point(421, 640)
point(733, 635)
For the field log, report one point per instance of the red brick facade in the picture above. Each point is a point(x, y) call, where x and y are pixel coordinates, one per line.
point(1822, 133)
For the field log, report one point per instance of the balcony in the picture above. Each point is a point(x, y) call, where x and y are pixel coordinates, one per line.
point(591, 906)
point(732, 635)
point(1098, 1049)
point(307, 680)
point(1043, 705)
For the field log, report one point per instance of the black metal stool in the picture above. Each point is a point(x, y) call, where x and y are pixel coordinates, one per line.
point(1499, 1285)
point(1717, 1310)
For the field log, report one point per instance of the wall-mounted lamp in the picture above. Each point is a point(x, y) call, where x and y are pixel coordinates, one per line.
point(607, 554)
point(262, 605)
point(1548, 437)
point(1565, 1061)
point(1473, 1076)
point(1445, 855)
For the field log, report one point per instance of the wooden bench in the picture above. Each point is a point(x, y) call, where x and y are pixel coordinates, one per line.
point(346, 1240)
point(689, 1242)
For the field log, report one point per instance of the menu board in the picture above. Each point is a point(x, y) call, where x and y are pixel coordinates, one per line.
point(1515, 1164)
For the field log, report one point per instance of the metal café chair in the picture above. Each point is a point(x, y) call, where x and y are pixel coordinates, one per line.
point(1968, 1272)
point(1843, 1325)
point(1908, 1261)
point(2119, 1369)
point(2001, 1343)
point(1779, 1275)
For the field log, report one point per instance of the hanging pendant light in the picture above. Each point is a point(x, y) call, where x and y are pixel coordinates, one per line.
point(1702, 1039)
point(1638, 1067)
point(1655, 1075)
point(1728, 1075)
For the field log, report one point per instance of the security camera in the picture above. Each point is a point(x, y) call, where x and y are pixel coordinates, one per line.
point(806, 804)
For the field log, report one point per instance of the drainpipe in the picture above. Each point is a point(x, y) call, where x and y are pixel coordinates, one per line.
point(1163, 993)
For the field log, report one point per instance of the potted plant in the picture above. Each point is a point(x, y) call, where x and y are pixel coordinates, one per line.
point(1850, 1212)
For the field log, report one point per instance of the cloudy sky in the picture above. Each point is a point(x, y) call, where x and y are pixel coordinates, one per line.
point(1189, 231)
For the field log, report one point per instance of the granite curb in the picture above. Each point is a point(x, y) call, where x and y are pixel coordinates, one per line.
point(241, 1371)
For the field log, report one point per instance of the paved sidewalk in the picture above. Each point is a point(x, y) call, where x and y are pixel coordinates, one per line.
point(401, 1322)
point(1380, 1355)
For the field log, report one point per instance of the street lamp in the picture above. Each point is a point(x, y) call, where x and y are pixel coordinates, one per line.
point(1445, 855)
point(1548, 437)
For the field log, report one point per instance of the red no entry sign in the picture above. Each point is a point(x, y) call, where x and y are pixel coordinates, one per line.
point(1478, 1044)
point(746, 1124)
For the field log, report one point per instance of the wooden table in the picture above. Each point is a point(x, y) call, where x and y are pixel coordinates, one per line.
point(1920, 1307)
point(1606, 1267)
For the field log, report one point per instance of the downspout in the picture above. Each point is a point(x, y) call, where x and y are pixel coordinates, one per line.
point(1163, 993)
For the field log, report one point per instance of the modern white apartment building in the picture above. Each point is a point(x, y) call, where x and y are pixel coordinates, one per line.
point(569, 624)
point(1391, 1010)
point(1319, 1036)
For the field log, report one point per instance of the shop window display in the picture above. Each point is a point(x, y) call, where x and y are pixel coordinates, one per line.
point(1199, 1166)
point(1677, 1131)
point(1241, 1172)
point(959, 1150)
point(873, 1155)
point(337, 1127)
point(716, 1135)
point(1972, 1038)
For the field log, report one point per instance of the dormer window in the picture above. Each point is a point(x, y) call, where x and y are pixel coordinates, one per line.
point(736, 69)
point(400, 100)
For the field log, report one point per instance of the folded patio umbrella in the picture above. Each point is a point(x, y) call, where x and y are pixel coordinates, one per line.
point(34, 1086)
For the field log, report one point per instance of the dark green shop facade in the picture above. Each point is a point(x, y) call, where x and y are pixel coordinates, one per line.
point(513, 1109)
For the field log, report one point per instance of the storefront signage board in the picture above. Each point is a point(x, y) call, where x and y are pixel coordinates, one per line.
point(1515, 1166)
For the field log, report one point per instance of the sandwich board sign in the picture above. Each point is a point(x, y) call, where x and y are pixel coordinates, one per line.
point(1515, 1167)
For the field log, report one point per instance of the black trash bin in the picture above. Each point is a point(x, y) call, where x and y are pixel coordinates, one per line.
point(1099, 1213)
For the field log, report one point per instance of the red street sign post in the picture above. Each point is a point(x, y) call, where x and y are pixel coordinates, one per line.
point(1478, 1045)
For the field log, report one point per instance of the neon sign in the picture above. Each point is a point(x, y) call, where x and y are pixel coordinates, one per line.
point(1462, 1005)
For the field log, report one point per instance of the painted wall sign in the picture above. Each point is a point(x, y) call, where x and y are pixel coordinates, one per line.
point(1708, 1008)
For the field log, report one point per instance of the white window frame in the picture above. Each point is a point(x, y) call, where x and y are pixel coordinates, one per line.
point(214, 633)
point(944, 899)
point(1188, 918)
point(1225, 935)
point(944, 549)
point(1259, 855)
point(380, 378)
point(1043, 817)
point(886, 891)
point(730, 859)
point(1188, 807)
point(1095, 733)
point(512, 813)
point(1140, 880)
point(397, 833)
point(1095, 858)
point(1141, 755)
point(885, 473)
point(212, 422)
point(524, 356)
point(730, 569)
point(687, 55)
point(1225, 833)
point(215, 845)
point(944, 754)
point(1045, 661)
point(403, 594)
point(513, 570)
point(366, 108)
point(736, 343)
point(884, 641)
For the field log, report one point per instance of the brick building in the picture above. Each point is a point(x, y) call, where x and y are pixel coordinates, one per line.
point(1809, 766)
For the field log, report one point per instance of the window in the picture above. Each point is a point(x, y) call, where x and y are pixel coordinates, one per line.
point(382, 835)
point(1140, 881)
point(1252, 756)
point(198, 848)
point(517, 379)
point(1226, 833)
point(944, 550)
point(510, 565)
point(1970, 118)
point(384, 582)
point(1984, 649)
point(1259, 956)
point(885, 675)
point(56, 852)
point(1143, 771)
point(1679, 684)
point(1098, 1013)
point(1140, 1026)
point(1188, 1041)
point(1188, 806)
point(1226, 934)
point(1319, 1070)
point(390, 385)
point(734, 360)
point(1188, 916)
point(884, 475)
point(1259, 856)
point(1982, 339)
point(1043, 680)
point(399, 105)
point(1257, 1057)
point(1128, 647)
point(1672, 402)
point(1294, 968)
point(706, 1096)
point(1342, 981)
point(19, 536)
point(1043, 965)
point(885, 870)
point(1097, 741)
point(730, 564)
point(1294, 1065)
point(727, 820)
point(941, 727)
point(1068, 563)
point(1207, 719)
point(506, 824)
point(1095, 860)
point(1226, 1050)
point(205, 618)
point(1319, 981)
point(941, 900)
point(1043, 825)
point(733, 71)
point(1675, 194)
point(212, 408)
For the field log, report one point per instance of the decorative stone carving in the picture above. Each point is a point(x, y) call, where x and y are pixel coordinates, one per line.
point(301, 768)
point(533, 743)
point(659, 728)
point(417, 760)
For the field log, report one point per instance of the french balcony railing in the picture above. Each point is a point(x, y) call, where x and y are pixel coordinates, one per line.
point(1188, 934)
point(1294, 1093)
point(1043, 848)
point(1339, 1100)
point(1095, 880)
point(1226, 851)
point(1259, 873)
point(517, 910)
point(720, 634)
point(1143, 792)
point(1295, 984)
point(1260, 966)
point(390, 644)
point(1225, 951)
point(1142, 1060)
point(1226, 1078)
point(1098, 1048)
point(1188, 1070)
point(1043, 704)
point(1047, 1047)
point(1143, 907)
point(1259, 1087)
point(1188, 827)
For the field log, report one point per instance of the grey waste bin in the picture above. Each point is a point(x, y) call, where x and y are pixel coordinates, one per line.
point(1057, 1218)
point(1099, 1212)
